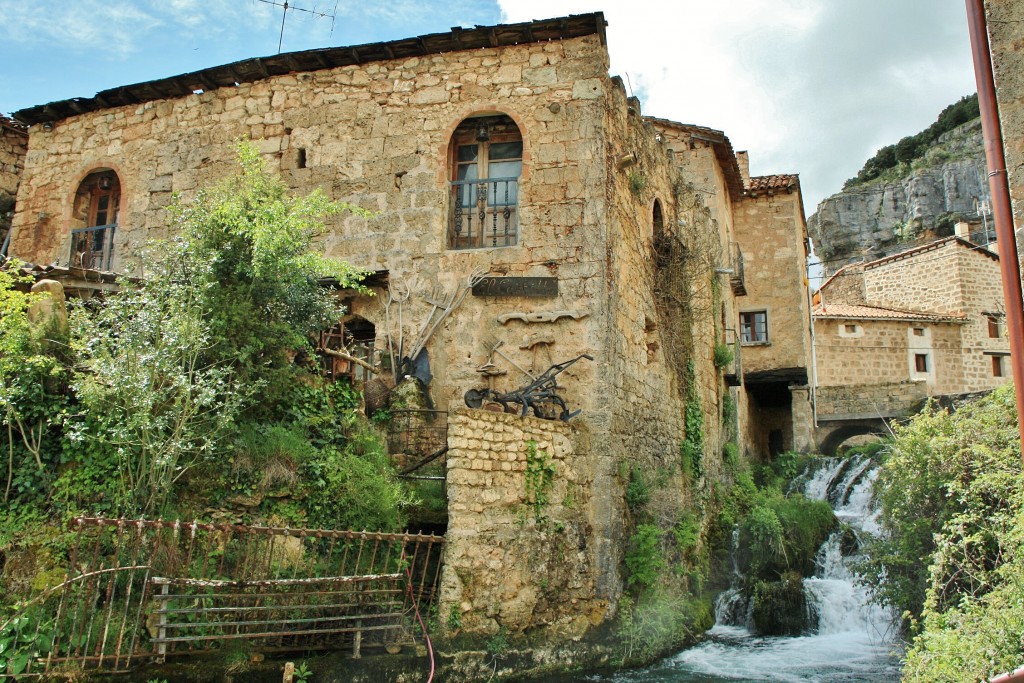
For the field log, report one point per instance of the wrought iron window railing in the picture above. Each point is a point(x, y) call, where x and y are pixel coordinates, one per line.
point(484, 213)
point(93, 247)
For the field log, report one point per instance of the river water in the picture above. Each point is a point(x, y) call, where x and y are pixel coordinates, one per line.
point(855, 641)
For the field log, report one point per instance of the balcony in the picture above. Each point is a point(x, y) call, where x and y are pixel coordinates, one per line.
point(736, 280)
point(93, 247)
point(484, 213)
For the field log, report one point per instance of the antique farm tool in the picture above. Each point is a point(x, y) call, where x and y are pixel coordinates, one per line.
point(455, 300)
point(539, 395)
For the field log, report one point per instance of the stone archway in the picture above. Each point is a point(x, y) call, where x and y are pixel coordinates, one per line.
point(831, 436)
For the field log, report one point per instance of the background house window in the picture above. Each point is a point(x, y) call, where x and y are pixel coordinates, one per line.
point(486, 162)
point(850, 329)
point(994, 331)
point(918, 331)
point(921, 362)
point(94, 220)
point(997, 366)
point(754, 327)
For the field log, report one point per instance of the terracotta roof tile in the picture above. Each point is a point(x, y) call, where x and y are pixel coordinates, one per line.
point(859, 312)
point(771, 183)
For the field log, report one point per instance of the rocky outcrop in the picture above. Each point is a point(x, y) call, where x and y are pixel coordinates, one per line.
point(870, 220)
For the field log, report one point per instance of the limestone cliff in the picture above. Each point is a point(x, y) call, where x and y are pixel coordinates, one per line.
point(872, 219)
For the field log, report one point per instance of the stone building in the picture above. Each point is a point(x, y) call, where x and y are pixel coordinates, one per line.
point(505, 151)
point(923, 322)
point(764, 243)
point(13, 146)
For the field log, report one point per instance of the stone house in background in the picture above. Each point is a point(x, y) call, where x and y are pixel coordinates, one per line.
point(507, 151)
point(928, 321)
point(13, 147)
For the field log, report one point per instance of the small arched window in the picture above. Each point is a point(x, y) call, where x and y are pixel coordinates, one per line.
point(657, 222)
point(94, 220)
point(486, 160)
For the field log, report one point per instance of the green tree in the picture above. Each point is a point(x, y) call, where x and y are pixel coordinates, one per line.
point(31, 387)
point(171, 363)
point(259, 241)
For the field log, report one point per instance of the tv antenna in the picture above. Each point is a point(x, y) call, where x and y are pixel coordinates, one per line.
point(285, 6)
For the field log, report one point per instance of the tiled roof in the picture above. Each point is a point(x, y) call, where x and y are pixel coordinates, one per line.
point(258, 68)
point(11, 124)
point(771, 183)
point(859, 312)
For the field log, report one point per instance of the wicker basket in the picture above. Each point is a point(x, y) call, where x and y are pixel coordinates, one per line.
point(376, 392)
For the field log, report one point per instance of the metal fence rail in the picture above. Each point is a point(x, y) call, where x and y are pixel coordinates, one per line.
point(141, 590)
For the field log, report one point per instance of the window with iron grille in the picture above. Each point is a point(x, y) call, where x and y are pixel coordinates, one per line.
point(486, 162)
point(94, 221)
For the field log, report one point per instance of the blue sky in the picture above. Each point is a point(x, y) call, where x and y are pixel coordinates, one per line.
point(806, 86)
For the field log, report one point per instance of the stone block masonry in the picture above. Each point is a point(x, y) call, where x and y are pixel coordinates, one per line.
point(510, 564)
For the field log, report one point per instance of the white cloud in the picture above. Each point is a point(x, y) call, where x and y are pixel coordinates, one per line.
point(806, 86)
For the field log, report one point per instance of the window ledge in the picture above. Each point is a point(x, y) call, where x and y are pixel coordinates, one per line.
point(756, 343)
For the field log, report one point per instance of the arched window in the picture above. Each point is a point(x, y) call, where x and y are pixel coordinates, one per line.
point(657, 222)
point(486, 160)
point(94, 220)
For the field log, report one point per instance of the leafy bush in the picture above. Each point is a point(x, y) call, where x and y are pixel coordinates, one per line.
point(644, 561)
point(952, 495)
point(723, 355)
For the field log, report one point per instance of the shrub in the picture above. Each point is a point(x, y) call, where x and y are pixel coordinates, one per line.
point(723, 355)
point(644, 561)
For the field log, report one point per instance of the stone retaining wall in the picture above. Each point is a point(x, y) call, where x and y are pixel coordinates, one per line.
point(509, 564)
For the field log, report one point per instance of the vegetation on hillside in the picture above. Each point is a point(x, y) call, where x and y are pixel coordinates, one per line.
point(952, 557)
point(192, 392)
point(895, 161)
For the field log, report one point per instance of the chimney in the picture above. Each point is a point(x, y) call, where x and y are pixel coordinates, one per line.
point(962, 229)
point(743, 159)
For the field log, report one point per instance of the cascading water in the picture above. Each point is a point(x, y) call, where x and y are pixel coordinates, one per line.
point(854, 640)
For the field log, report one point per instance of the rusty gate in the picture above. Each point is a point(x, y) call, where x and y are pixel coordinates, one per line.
point(138, 591)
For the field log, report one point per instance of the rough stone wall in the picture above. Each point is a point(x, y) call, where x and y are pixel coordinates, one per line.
point(982, 294)
point(846, 287)
point(951, 278)
point(772, 231)
point(869, 401)
point(1006, 40)
point(378, 135)
point(504, 567)
point(883, 352)
point(647, 393)
point(929, 280)
point(13, 147)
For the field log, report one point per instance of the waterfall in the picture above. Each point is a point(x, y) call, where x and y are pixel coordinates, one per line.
point(841, 605)
point(854, 638)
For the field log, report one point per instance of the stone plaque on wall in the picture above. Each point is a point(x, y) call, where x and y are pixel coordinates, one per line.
point(517, 286)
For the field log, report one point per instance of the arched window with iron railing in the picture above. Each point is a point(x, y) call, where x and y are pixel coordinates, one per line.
point(94, 217)
point(486, 160)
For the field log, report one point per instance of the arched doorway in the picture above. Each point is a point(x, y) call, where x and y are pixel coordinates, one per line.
point(94, 215)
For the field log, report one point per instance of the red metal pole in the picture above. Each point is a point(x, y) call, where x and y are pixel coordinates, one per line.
point(1009, 264)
